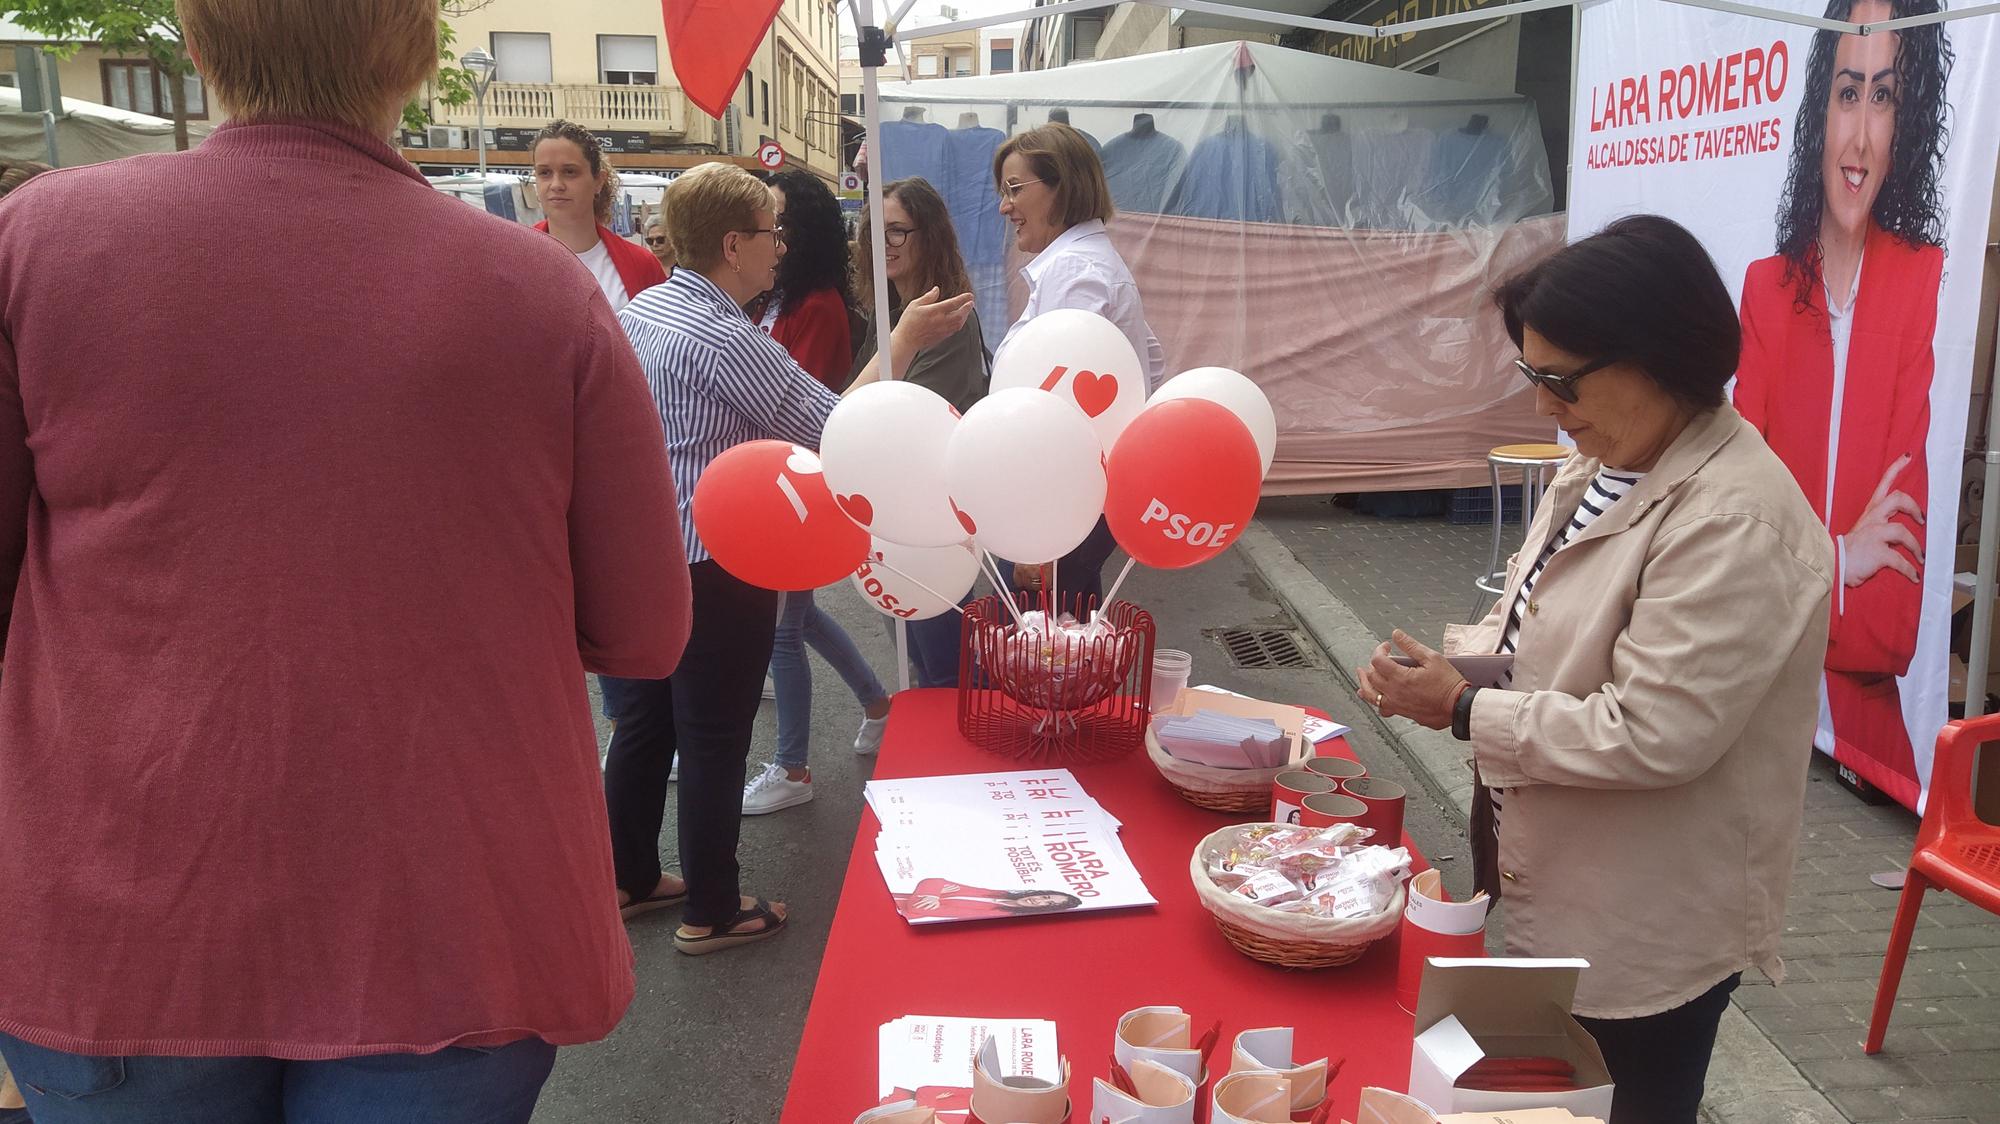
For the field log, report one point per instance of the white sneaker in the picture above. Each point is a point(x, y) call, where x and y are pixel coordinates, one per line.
point(773, 791)
point(770, 689)
point(870, 738)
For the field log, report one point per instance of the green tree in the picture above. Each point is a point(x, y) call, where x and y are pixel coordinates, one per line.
point(152, 29)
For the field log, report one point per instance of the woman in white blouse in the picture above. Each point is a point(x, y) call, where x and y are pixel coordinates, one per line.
point(1052, 190)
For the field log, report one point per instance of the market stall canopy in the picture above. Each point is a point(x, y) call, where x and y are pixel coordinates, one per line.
point(87, 133)
point(1329, 228)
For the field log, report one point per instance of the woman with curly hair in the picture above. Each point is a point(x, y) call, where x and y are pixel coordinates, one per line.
point(807, 309)
point(1837, 362)
point(576, 185)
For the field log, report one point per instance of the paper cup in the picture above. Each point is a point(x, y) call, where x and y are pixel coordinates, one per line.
point(1434, 925)
point(1324, 809)
point(1290, 789)
point(1339, 768)
point(1385, 808)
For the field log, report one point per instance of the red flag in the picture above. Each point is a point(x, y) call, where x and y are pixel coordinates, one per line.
point(711, 41)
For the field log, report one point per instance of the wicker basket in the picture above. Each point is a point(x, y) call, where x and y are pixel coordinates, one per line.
point(1236, 791)
point(1288, 940)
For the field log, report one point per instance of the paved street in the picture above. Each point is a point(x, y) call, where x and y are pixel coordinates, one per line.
point(1941, 1061)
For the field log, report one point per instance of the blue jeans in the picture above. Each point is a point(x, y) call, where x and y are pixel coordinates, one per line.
point(456, 1085)
point(801, 622)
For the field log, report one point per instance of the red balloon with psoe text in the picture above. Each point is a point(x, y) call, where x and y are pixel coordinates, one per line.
point(1182, 483)
point(765, 514)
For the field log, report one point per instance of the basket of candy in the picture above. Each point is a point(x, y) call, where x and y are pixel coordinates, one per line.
point(1300, 897)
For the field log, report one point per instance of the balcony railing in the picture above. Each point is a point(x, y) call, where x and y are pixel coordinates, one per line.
point(648, 109)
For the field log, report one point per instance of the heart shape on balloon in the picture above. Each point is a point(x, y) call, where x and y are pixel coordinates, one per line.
point(964, 520)
point(804, 461)
point(857, 508)
point(1094, 392)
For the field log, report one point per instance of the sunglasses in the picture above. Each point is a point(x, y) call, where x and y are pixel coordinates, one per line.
point(1562, 386)
point(656, 240)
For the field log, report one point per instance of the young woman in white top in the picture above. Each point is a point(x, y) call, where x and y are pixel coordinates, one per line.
point(1052, 190)
point(576, 185)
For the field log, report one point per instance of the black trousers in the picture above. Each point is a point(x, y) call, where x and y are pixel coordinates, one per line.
point(705, 711)
point(1660, 1062)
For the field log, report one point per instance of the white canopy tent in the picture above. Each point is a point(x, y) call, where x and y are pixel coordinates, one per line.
point(86, 133)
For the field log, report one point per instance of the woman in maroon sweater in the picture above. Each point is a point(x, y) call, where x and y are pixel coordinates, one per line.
point(300, 576)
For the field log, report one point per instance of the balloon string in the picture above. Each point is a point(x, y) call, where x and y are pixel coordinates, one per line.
point(1000, 587)
point(1114, 585)
point(927, 589)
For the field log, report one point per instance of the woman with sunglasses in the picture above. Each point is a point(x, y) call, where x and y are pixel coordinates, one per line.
point(1052, 189)
point(658, 242)
point(1646, 755)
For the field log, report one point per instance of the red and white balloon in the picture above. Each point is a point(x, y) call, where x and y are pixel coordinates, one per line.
point(915, 583)
point(1182, 483)
point(1233, 392)
point(1025, 475)
point(884, 448)
point(766, 515)
point(1081, 358)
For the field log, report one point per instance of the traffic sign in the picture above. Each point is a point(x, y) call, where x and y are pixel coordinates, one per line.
point(770, 155)
point(849, 182)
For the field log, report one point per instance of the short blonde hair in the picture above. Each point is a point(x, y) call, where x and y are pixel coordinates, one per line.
point(347, 61)
point(1062, 159)
point(707, 202)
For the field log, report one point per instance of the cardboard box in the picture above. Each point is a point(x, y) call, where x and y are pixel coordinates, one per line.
point(1470, 1009)
point(1380, 1106)
point(1290, 719)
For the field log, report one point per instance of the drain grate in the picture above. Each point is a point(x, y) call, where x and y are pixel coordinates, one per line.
point(1265, 648)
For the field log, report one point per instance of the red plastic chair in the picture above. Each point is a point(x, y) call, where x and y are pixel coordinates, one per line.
point(1956, 851)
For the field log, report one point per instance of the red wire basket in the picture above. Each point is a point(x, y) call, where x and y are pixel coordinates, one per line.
point(1055, 698)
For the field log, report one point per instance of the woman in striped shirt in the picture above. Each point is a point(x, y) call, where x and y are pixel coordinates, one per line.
point(718, 381)
point(1668, 622)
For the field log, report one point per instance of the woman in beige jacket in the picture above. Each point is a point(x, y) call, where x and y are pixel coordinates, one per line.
point(1646, 760)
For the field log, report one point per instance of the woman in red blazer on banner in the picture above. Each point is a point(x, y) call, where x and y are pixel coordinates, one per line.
point(941, 897)
point(575, 184)
point(1837, 362)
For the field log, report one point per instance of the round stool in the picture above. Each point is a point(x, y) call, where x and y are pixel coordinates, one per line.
point(1534, 461)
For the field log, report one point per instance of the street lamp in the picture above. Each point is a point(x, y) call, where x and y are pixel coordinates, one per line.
point(481, 66)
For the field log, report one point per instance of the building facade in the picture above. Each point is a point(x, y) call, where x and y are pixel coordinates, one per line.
point(605, 65)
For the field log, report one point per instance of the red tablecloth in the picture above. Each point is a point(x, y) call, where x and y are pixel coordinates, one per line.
point(1081, 970)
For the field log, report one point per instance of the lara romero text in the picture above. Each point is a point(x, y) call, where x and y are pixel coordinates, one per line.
point(1746, 79)
point(1079, 868)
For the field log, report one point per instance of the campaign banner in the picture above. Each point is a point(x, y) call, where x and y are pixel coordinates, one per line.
point(1842, 183)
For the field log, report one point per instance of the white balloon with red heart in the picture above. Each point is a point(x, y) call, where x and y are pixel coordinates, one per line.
point(1081, 358)
point(916, 583)
point(1233, 392)
point(883, 448)
point(1025, 470)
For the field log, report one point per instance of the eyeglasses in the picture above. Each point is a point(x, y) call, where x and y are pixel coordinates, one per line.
point(897, 235)
point(656, 240)
point(1010, 190)
point(1562, 386)
point(777, 232)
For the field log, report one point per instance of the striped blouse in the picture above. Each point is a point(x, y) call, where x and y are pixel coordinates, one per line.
point(718, 381)
point(1608, 488)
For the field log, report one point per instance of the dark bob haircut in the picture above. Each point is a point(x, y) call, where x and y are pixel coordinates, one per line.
point(1910, 205)
point(1641, 291)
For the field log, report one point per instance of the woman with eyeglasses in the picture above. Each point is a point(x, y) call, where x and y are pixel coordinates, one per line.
point(922, 255)
point(1052, 190)
point(718, 381)
point(1644, 761)
point(807, 312)
point(575, 184)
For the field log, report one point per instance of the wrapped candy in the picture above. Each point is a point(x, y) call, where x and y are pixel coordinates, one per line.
point(1329, 872)
point(1059, 663)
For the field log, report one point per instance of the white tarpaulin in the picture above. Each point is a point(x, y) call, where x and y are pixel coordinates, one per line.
point(88, 133)
point(1329, 228)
